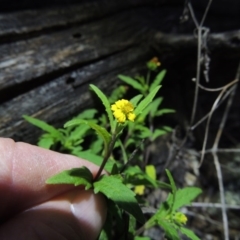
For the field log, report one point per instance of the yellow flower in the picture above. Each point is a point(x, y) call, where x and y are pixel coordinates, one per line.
point(123, 110)
point(139, 189)
point(180, 218)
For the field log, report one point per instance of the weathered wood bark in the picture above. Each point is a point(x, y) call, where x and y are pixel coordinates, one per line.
point(49, 55)
point(48, 61)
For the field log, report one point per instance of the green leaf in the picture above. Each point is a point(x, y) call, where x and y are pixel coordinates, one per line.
point(75, 176)
point(136, 99)
point(151, 171)
point(135, 176)
point(106, 104)
point(142, 238)
point(169, 230)
point(189, 233)
point(46, 141)
point(113, 188)
point(155, 105)
point(43, 125)
point(132, 225)
point(106, 233)
point(157, 81)
point(97, 146)
point(167, 128)
point(144, 103)
point(114, 170)
point(170, 177)
point(102, 132)
point(129, 142)
point(157, 133)
point(141, 118)
point(117, 93)
point(145, 132)
point(87, 114)
point(97, 160)
point(132, 82)
point(164, 111)
point(185, 196)
point(161, 213)
point(78, 132)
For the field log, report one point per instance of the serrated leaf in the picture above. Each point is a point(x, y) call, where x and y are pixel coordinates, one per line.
point(189, 233)
point(106, 104)
point(75, 176)
point(185, 196)
point(113, 188)
point(158, 79)
point(43, 125)
point(132, 82)
point(169, 230)
point(136, 99)
point(144, 103)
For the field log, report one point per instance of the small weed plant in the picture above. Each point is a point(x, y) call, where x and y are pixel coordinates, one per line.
point(117, 146)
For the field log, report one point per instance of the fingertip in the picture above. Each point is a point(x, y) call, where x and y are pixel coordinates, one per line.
point(90, 211)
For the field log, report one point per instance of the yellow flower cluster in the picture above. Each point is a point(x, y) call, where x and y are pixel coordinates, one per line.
point(123, 110)
point(180, 218)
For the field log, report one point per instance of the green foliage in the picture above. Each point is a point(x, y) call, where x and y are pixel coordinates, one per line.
point(142, 238)
point(122, 155)
point(168, 216)
point(102, 132)
point(189, 233)
point(44, 126)
point(106, 104)
point(145, 102)
point(75, 176)
point(114, 188)
point(132, 82)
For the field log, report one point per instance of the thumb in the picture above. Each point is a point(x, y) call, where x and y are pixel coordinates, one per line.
point(77, 214)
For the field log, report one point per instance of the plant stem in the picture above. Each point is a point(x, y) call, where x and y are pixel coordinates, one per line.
point(148, 77)
point(108, 153)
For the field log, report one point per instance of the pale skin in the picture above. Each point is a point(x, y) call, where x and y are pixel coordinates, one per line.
point(31, 209)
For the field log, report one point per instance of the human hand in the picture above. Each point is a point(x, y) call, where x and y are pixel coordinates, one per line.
point(30, 209)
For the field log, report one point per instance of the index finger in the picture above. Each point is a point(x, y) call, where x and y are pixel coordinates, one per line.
point(23, 171)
